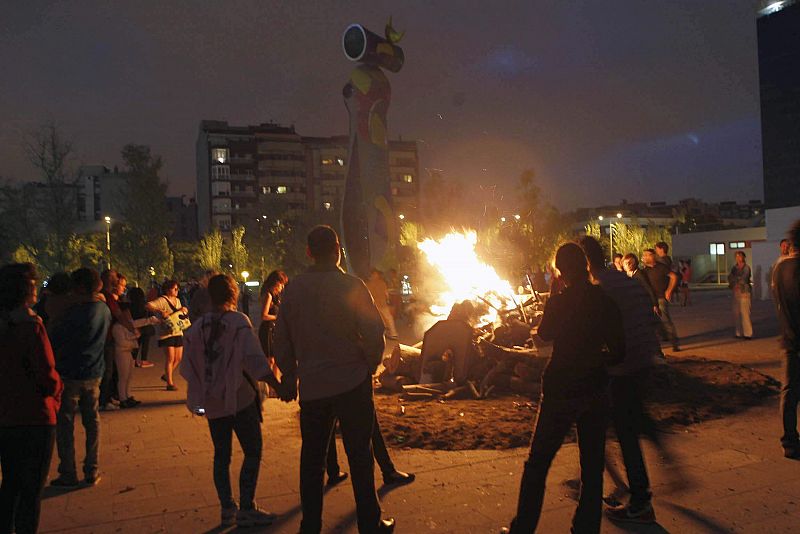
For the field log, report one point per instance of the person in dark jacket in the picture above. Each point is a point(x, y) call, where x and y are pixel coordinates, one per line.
point(786, 293)
point(585, 326)
point(78, 342)
point(30, 393)
point(628, 381)
point(330, 336)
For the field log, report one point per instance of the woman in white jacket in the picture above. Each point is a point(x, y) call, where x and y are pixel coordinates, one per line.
point(223, 361)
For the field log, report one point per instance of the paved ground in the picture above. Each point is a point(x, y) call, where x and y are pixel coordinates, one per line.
point(156, 465)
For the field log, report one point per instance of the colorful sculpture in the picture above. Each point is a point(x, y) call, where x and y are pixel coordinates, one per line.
point(369, 225)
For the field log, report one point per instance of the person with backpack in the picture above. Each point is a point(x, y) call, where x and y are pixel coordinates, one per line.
point(223, 362)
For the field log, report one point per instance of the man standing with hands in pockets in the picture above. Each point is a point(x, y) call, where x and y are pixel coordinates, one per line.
point(329, 335)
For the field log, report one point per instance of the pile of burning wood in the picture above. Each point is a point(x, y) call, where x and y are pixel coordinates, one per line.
point(457, 361)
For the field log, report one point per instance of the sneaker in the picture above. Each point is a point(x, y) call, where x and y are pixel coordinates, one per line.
point(228, 516)
point(172, 387)
point(92, 480)
point(254, 517)
point(64, 482)
point(642, 514)
point(145, 364)
point(109, 407)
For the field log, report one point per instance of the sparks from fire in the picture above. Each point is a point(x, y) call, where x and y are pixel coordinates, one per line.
point(464, 275)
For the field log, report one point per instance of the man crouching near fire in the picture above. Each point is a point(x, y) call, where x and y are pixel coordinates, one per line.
point(585, 327)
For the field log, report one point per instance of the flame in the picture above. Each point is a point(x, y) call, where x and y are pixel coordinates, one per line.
point(464, 275)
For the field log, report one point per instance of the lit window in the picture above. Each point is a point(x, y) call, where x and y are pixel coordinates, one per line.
point(281, 189)
point(327, 161)
point(220, 172)
point(408, 178)
point(265, 190)
point(736, 244)
point(340, 162)
point(220, 155)
point(326, 205)
point(716, 249)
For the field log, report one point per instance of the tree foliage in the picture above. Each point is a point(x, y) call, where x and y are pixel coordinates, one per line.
point(237, 251)
point(140, 244)
point(209, 253)
point(630, 237)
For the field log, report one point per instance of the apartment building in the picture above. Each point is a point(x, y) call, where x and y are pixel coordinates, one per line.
point(249, 173)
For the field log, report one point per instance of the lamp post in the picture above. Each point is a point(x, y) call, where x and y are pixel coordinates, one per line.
point(245, 276)
point(611, 229)
point(108, 241)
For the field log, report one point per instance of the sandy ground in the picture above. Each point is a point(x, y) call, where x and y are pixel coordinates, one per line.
point(684, 391)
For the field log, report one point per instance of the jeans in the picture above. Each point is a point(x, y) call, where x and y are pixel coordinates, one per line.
point(25, 454)
point(667, 327)
point(556, 417)
point(741, 314)
point(630, 421)
point(247, 425)
point(108, 386)
point(356, 414)
point(790, 396)
point(378, 449)
point(83, 394)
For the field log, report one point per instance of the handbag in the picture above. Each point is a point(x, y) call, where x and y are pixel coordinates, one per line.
point(175, 323)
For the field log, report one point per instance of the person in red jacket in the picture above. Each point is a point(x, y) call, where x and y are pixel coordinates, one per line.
point(30, 395)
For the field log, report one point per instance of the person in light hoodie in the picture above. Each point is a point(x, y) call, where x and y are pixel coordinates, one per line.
point(223, 360)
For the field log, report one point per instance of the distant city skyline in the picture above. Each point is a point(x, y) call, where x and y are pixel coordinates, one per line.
point(645, 102)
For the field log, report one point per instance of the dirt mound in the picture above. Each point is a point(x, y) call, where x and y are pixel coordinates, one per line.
point(685, 391)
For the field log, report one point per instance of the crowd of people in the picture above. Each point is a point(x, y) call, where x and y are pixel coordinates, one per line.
point(320, 340)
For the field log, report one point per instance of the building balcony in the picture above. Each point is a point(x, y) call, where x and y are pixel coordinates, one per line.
point(243, 194)
point(242, 177)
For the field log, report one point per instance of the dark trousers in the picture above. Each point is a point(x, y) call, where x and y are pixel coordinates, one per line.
point(790, 396)
point(25, 454)
point(247, 426)
point(556, 417)
point(108, 385)
point(378, 449)
point(144, 347)
point(356, 414)
point(83, 395)
point(667, 329)
point(631, 421)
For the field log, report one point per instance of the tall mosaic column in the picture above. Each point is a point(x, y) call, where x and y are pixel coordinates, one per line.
point(369, 225)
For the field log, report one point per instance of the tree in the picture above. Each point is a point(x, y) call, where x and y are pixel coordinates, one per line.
point(630, 237)
point(139, 243)
point(527, 239)
point(237, 251)
point(209, 254)
point(50, 219)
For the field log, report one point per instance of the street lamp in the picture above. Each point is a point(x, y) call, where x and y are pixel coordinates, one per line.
point(401, 216)
point(517, 217)
point(245, 276)
point(611, 229)
point(108, 241)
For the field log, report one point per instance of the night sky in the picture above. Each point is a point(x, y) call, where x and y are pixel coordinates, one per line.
point(603, 99)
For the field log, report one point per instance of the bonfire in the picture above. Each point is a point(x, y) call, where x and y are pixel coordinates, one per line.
point(500, 355)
